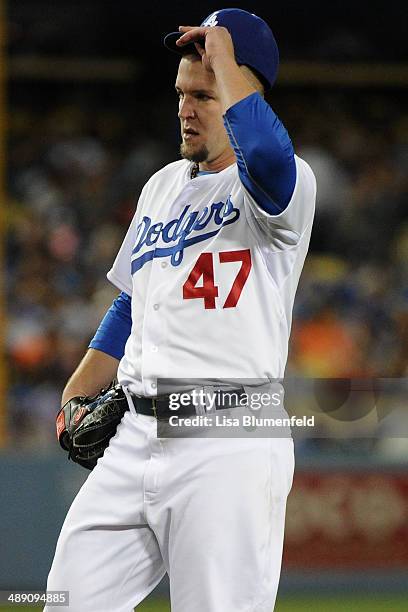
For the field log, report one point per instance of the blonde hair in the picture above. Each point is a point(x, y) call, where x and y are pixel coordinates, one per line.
point(253, 79)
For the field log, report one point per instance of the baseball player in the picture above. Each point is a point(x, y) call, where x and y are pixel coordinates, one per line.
point(207, 273)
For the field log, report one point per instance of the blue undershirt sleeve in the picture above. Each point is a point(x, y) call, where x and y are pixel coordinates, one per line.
point(114, 329)
point(264, 152)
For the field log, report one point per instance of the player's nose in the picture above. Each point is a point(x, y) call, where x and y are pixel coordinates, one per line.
point(186, 109)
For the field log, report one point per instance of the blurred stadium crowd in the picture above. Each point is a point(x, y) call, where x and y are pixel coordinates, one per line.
point(74, 176)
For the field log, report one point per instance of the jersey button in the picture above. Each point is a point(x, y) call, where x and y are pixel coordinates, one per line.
point(156, 306)
point(164, 264)
point(154, 350)
point(153, 385)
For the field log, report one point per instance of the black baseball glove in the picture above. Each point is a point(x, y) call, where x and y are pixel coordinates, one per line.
point(85, 425)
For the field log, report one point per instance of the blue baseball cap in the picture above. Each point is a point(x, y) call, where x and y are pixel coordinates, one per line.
point(254, 44)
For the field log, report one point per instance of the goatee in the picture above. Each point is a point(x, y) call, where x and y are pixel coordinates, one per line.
point(197, 156)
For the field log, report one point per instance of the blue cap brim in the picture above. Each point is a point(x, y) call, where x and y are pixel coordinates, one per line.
point(170, 42)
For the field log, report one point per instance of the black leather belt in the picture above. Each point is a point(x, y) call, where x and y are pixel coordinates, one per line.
point(159, 407)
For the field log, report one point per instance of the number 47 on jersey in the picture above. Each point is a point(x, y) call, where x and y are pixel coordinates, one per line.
point(208, 291)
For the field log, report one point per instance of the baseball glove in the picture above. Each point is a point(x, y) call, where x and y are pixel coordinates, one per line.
point(85, 425)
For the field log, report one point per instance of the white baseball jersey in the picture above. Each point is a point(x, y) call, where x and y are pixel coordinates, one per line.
point(212, 278)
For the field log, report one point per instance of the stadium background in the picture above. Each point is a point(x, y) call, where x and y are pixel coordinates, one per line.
point(90, 113)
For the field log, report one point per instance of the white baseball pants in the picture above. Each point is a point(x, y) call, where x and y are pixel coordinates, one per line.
point(209, 512)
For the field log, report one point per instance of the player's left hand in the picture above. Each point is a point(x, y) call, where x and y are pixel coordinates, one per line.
point(212, 43)
point(85, 425)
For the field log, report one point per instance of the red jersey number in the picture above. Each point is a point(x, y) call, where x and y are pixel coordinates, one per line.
point(208, 291)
